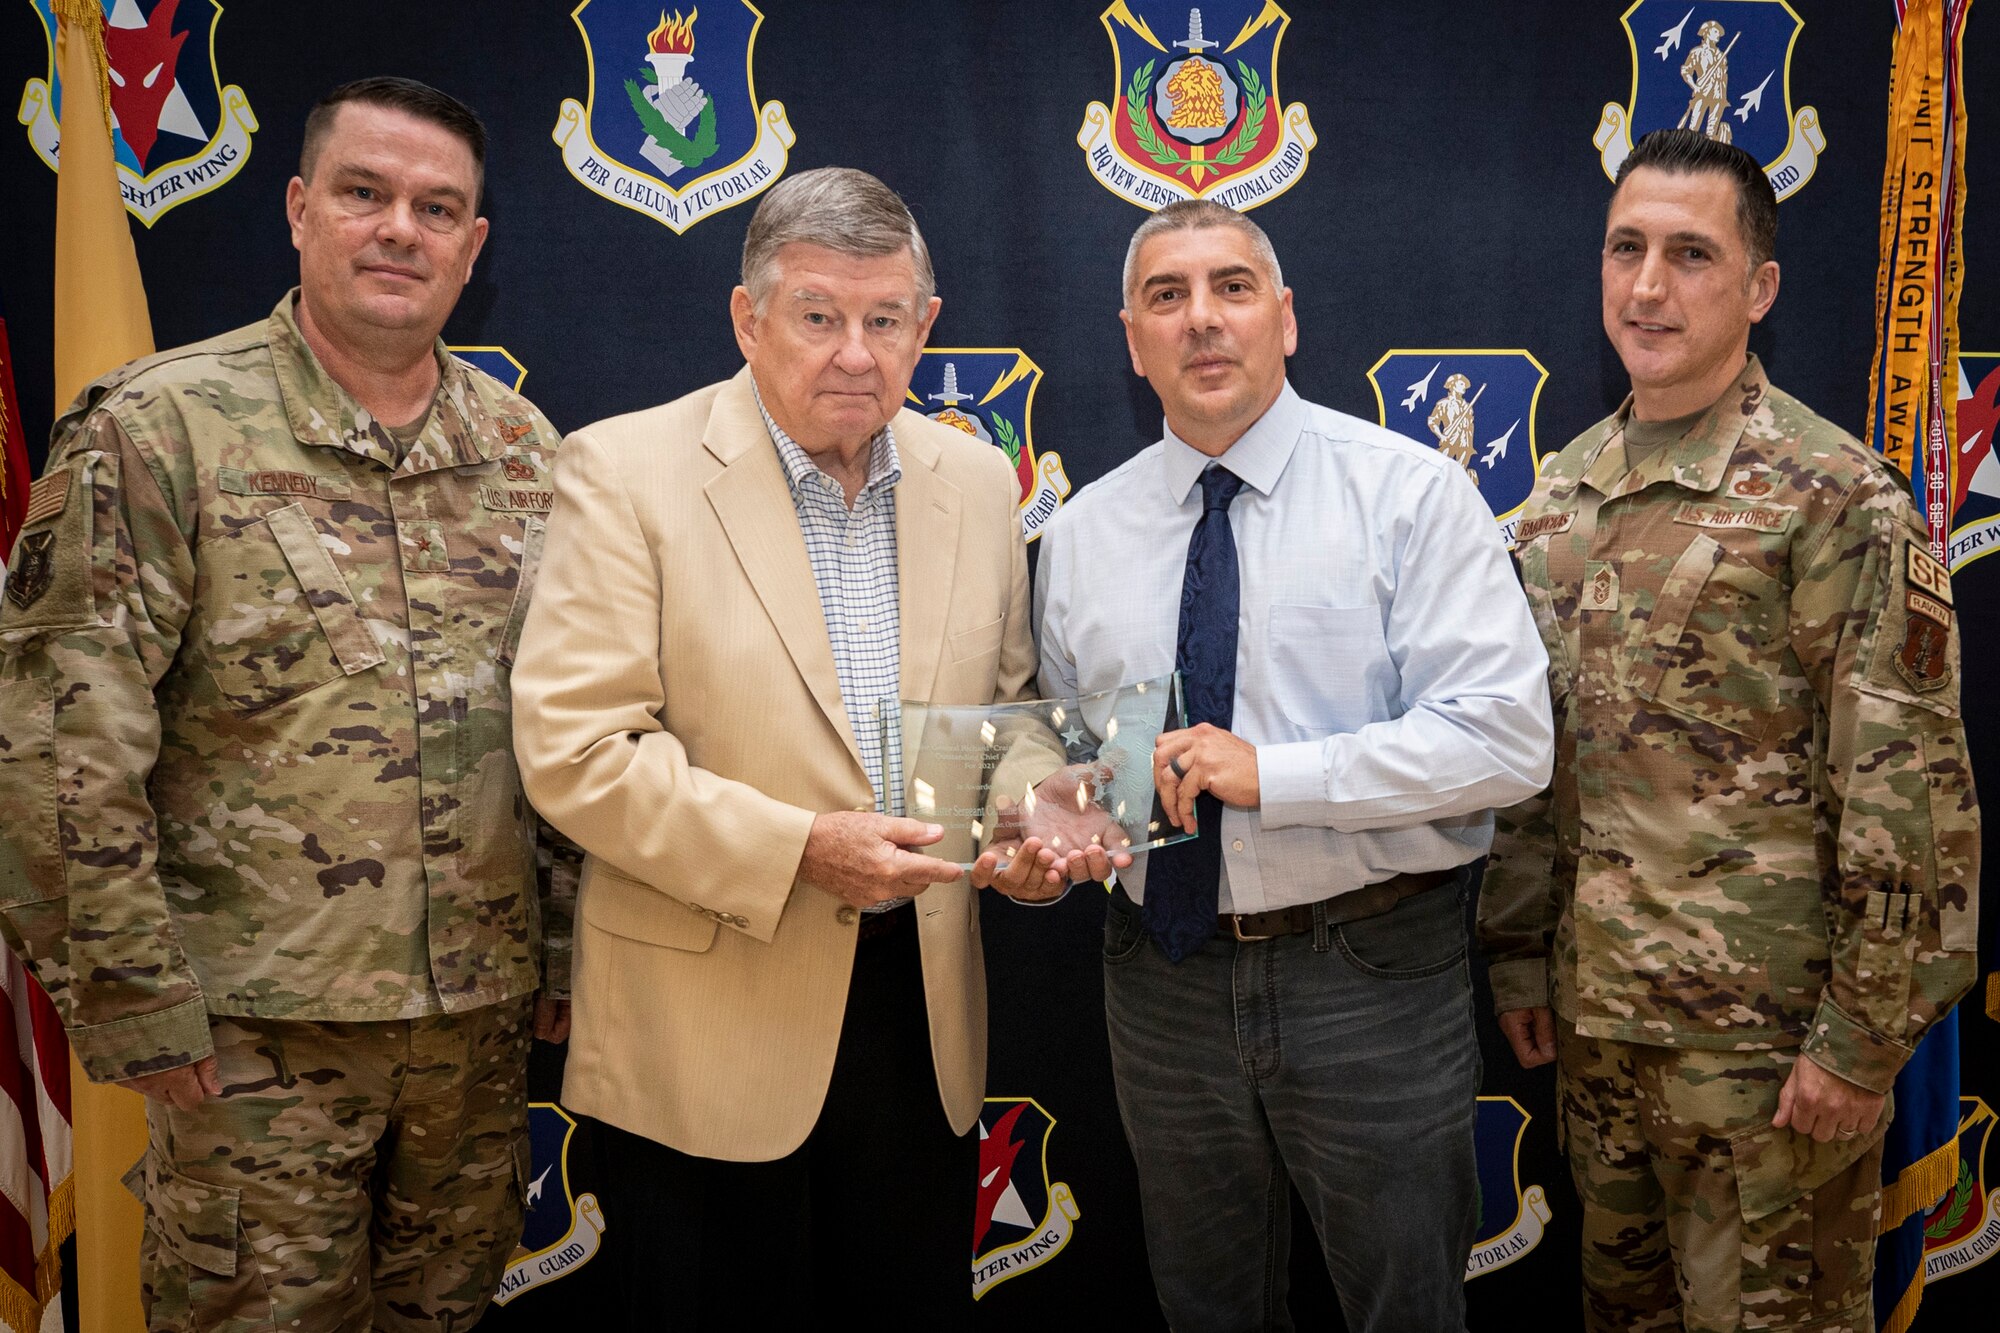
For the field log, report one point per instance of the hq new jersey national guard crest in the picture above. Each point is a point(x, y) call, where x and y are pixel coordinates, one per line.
point(178, 131)
point(1476, 406)
point(989, 393)
point(672, 128)
point(561, 1232)
point(1195, 110)
point(1022, 1219)
point(1723, 67)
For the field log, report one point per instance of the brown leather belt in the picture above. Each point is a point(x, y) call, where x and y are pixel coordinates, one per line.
point(1357, 905)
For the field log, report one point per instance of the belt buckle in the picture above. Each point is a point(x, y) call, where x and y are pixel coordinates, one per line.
point(1236, 928)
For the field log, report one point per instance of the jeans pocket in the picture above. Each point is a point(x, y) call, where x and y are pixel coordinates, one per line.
point(1124, 935)
point(1422, 937)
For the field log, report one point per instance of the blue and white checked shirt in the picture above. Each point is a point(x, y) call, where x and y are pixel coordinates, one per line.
point(853, 554)
point(1387, 668)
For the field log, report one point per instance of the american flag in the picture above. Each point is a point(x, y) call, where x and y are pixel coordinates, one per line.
point(37, 1201)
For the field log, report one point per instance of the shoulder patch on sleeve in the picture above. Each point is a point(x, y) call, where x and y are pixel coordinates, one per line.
point(47, 497)
point(1925, 573)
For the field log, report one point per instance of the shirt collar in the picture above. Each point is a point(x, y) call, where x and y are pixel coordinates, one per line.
point(1259, 456)
point(885, 466)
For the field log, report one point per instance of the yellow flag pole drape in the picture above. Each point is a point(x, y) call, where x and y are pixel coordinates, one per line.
point(100, 322)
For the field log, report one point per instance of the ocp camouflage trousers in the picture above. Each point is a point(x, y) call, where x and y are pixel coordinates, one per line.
point(1697, 1214)
point(350, 1176)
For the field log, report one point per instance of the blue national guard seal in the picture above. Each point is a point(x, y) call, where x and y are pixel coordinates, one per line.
point(1511, 1219)
point(1474, 405)
point(177, 130)
point(495, 361)
point(1022, 1219)
point(562, 1231)
point(1723, 67)
point(1194, 111)
point(672, 127)
point(989, 393)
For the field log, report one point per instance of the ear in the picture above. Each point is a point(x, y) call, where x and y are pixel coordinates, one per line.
point(1291, 323)
point(743, 318)
point(930, 318)
point(1131, 347)
point(1763, 289)
point(478, 244)
point(295, 209)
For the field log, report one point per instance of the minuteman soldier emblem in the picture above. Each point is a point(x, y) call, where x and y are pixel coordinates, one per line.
point(1722, 67)
point(1476, 406)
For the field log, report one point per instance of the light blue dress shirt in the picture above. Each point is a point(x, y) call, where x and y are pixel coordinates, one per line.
point(1387, 668)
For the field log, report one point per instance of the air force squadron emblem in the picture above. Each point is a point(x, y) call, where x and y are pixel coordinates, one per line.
point(1963, 1230)
point(1022, 1219)
point(673, 128)
point(177, 131)
point(1475, 406)
point(1512, 1220)
point(1722, 67)
point(1196, 112)
point(989, 393)
point(561, 1232)
point(1976, 507)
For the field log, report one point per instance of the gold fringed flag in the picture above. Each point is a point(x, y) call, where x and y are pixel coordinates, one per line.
point(1913, 385)
point(101, 322)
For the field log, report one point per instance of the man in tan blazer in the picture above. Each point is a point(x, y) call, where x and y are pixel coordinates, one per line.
point(780, 1004)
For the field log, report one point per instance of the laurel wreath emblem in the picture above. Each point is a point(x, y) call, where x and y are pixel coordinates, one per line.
point(1961, 1198)
point(688, 152)
point(1005, 437)
point(1254, 102)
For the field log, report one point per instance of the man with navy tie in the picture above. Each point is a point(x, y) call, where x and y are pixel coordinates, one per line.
point(1287, 995)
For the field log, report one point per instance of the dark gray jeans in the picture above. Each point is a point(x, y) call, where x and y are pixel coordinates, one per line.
point(1352, 1069)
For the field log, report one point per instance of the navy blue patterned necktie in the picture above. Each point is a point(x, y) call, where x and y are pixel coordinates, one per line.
point(1183, 882)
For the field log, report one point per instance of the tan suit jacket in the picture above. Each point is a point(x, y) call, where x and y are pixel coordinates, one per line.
point(677, 713)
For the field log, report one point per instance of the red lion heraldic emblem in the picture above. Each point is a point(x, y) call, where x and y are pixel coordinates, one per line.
point(1196, 116)
point(178, 132)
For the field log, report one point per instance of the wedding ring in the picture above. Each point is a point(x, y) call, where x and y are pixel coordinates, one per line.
point(1175, 765)
point(1847, 1133)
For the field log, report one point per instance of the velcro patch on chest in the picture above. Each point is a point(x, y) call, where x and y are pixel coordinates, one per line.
point(517, 500)
point(516, 468)
point(1600, 586)
point(1926, 574)
point(277, 481)
point(514, 428)
point(1751, 483)
point(1544, 525)
point(47, 497)
point(1754, 518)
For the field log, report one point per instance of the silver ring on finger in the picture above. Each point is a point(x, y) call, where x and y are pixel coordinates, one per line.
point(1847, 1133)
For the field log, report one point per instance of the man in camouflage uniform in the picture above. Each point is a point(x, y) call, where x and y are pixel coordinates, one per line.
point(267, 847)
point(1752, 876)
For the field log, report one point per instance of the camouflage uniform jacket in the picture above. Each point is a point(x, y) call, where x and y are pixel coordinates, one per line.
point(1762, 831)
point(254, 734)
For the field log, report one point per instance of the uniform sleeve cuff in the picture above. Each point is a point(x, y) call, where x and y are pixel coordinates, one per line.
point(1519, 983)
point(1839, 1045)
point(144, 1044)
point(1291, 784)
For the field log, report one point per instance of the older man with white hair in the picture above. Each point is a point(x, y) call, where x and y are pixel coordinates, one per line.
point(780, 1005)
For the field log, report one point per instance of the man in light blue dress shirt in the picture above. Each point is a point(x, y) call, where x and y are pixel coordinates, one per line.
point(1388, 691)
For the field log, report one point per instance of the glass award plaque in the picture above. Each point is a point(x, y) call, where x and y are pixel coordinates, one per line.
point(1068, 771)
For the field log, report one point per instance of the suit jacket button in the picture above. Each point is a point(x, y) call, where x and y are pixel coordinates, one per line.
point(846, 916)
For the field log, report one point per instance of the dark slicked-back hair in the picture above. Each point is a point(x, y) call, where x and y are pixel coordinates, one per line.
point(405, 95)
point(1687, 152)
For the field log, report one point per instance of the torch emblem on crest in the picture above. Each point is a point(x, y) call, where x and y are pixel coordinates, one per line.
point(671, 101)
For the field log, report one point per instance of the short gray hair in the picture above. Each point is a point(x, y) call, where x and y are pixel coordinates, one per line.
point(1199, 215)
point(840, 209)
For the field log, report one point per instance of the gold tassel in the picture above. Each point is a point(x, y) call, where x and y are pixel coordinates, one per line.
point(1905, 1313)
point(1920, 1185)
point(85, 18)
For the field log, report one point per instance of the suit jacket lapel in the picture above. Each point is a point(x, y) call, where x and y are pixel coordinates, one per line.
point(928, 509)
point(752, 499)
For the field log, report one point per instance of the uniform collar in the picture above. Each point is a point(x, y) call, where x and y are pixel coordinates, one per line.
point(321, 412)
point(1258, 457)
point(1697, 461)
